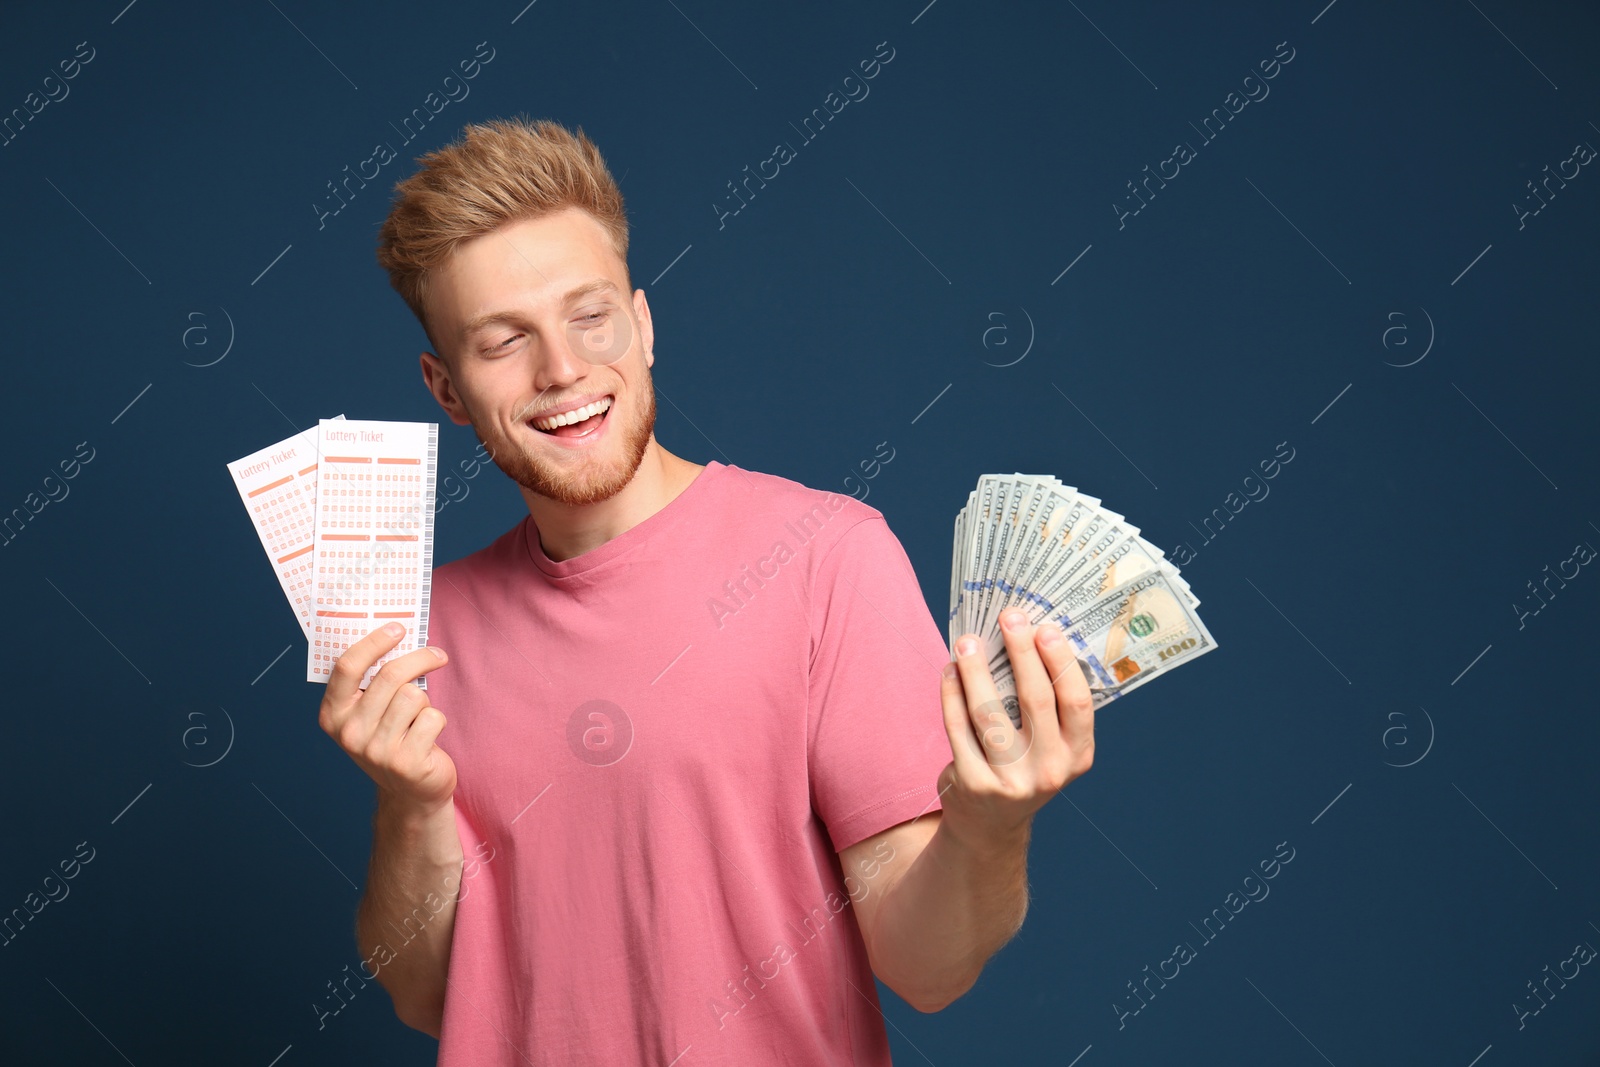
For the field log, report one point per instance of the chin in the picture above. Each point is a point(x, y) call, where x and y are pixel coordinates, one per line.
point(583, 478)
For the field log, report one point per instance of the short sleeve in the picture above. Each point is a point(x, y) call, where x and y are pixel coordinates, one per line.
point(876, 741)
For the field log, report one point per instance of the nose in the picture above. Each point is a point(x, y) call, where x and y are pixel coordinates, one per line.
point(559, 367)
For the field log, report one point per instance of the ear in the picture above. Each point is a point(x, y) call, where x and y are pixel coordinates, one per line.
point(436, 375)
point(647, 330)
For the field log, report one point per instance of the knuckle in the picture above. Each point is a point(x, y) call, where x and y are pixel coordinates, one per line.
point(350, 736)
point(1060, 773)
point(347, 666)
point(378, 752)
point(390, 673)
point(988, 715)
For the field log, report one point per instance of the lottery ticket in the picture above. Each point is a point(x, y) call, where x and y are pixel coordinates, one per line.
point(278, 485)
point(373, 537)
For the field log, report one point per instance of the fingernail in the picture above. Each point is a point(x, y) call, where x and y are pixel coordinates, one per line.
point(948, 670)
point(967, 646)
point(1050, 633)
point(393, 629)
point(1013, 618)
point(437, 652)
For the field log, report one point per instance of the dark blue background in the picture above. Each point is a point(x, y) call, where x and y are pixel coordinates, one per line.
point(893, 264)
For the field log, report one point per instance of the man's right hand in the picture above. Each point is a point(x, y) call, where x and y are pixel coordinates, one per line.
point(390, 728)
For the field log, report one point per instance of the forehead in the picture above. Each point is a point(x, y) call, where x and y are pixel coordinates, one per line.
point(526, 264)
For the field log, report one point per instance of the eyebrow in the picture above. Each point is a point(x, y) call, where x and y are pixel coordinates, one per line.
point(493, 318)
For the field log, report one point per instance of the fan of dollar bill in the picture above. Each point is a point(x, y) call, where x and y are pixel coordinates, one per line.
point(1027, 541)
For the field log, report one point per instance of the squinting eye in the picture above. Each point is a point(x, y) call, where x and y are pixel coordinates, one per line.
point(502, 344)
point(592, 316)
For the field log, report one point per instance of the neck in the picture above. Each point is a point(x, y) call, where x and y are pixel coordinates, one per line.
point(566, 530)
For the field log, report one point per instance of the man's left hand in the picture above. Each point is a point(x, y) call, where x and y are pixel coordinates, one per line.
point(1000, 777)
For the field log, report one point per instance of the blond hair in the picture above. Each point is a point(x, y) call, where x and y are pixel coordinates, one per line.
point(500, 171)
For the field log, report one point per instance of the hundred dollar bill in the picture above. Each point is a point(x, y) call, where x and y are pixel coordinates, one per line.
point(1012, 505)
point(1126, 558)
point(1029, 541)
point(1123, 639)
point(1043, 540)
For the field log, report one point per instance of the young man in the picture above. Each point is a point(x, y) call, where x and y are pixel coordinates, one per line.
point(697, 787)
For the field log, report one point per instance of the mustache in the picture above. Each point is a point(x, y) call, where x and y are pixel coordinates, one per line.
point(533, 409)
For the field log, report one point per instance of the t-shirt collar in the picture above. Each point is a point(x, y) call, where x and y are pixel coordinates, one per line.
point(626, 541)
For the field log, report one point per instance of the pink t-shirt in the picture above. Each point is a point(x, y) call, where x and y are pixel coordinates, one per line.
point(661, 745)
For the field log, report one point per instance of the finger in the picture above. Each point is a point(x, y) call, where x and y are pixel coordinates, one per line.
point(1034, 691)
point(398, 672)
point(344, 681)
point(984, 707)
point(970, 764)
point(402, 710)
point(1073, 699)
point(342, 697)
point(422, 733)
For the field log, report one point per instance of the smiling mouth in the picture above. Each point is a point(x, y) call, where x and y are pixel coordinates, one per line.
point(575, 424)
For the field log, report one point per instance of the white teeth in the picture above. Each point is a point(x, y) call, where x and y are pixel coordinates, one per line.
point(567, 418)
